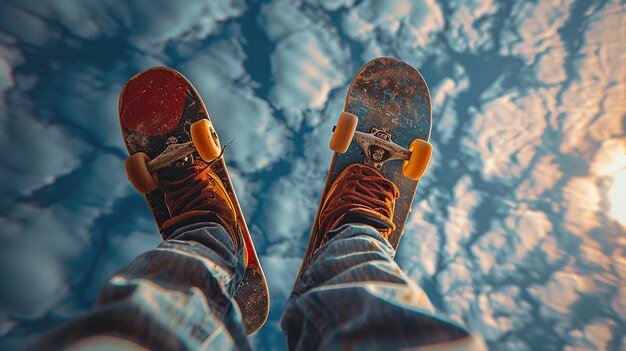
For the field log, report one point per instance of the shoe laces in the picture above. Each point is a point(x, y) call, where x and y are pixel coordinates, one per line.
point(359, 187)
point(194, 189)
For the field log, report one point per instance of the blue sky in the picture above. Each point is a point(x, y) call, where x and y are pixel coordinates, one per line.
point(517, 228)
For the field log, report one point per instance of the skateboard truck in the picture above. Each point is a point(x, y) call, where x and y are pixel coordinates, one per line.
point(141, 170)
point(379, 148)
point(171, 154)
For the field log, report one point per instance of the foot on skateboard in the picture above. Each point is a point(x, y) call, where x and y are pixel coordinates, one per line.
point(176, 161)
point(381, 151)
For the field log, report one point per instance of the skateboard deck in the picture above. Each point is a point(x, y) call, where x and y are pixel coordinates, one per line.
point(157, 108)
point(392, 102)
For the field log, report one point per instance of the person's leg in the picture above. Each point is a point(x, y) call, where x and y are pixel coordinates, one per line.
point(176, 297)
point(179, 295)
point(352, 295)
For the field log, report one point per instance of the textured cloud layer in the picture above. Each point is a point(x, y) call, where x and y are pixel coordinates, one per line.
point(517, 229)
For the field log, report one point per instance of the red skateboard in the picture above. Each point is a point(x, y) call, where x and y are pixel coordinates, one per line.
point(165, 125)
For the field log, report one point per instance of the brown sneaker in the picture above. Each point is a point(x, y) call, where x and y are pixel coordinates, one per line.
point(360, 194)
point(196, 194)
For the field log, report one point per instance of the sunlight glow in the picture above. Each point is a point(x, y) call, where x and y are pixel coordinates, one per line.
point(611, 162)
point(617, 196)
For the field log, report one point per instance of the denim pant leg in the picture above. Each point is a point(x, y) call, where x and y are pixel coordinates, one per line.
point(175, 297)
point(354, 296)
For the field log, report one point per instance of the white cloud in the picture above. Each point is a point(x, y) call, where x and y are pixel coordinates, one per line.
point(51, 238)
point(459, 225)
point(619, 303)
point(6, 78)
point(290, 216)
point(581, 201)
point(119, 251)
point(594, 336)
point(150, 24)
point(533, 146)
point(509, 243)
point(245, 188)
point(593, 104)
point(279, 266)
point(51, 152)
point(559, 294)
point(32, 281)
point(470, 25)
point(27, 27)
point(307, 65)
point(457, 288)
point(550, 67)
point(419, 247)
point(501, 310)
point(415, 21)
point(281, 18)
point(237, 113)
point(332, 5)
point(505, 133)
point(544, 175)
point(490, 250)
point(527, 228)
point(535, 28)
point(85, 96)
point(444, 98)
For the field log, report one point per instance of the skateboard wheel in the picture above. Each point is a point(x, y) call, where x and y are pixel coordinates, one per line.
point(415, 166)
point(205, 140)
point(138, 173)
point(343, 133)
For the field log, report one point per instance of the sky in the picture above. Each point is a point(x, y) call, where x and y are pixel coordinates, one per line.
point(518, 227)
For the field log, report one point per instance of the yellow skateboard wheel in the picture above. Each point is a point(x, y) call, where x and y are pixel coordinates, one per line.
point(416, 165)
point(343, 133)
point(205, 140)
point(138, 173)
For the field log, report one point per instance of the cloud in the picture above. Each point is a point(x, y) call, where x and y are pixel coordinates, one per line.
point(277, 265)
point(470, 23)
point(245, 188)
point(50, 150)
point(43, 242)
point(619, 303)
point(281, 18)
point(544, 175)
point(594, 336)
point(400, 28)
point(290, 216)
point(149, 25)
point(307, 65)
point(444, 97)
point(415, 21)
point(501, 310)
point(120, 249)
point(459, 225)
point(457, 288)
point(535, 28)
point(515, 241)
point(504, 134)
point(593, 104)
point(32, 282)
point(581, 201)
point(513, 228)
point(237, 113)
point(559, 294)
point(332, 5)
point(418, 251)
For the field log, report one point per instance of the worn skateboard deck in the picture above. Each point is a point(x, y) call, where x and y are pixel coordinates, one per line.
point(389, 95)
point(157, 108)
